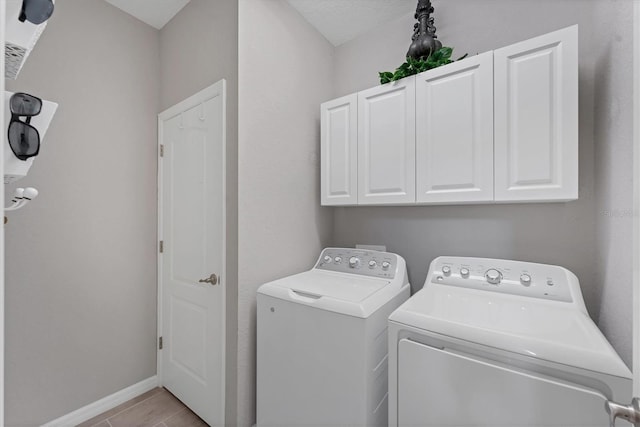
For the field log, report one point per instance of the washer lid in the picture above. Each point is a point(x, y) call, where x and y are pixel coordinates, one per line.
point(350, 294)
point(549, 330)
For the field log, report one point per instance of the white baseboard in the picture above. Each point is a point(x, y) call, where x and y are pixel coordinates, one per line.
point(98, 407)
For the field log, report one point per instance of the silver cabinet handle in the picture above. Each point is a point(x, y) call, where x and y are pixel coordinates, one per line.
point(213, 280)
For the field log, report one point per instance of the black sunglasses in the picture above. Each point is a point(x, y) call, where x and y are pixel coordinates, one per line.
point(24, 139)
point(36, 11)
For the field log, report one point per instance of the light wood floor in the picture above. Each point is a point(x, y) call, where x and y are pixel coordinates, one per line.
point(155, 408)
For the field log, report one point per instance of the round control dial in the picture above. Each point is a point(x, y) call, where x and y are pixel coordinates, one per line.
point(386, 265)
point(525, 279)
point(446, 270)
point(464, 272)
point(372, 264)
point(493, 276)
point(327, 259)
point(354, 262)
point(337, 260)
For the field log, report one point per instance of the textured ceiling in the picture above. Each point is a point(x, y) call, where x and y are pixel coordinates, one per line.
point(153, 12)
point(343, 20)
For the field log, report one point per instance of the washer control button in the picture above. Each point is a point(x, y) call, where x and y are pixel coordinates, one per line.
point(337, 260)
point(464, 272)
point(372, 264)
point(550, 282)
point(446, 270)
point(525, 279)
point(386, 265)
point(493, 276)
point(354, 262)
point(327, 259)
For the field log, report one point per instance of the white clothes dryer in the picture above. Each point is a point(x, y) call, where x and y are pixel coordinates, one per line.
point(490, 343)
point(322, 341)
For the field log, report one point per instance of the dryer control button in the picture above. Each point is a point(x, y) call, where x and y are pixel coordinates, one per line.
point(327, 259)
point(354, 262)
point(525, 279)
point(372, 264)
point(337, 260)
point(386, 265)
point(493, 276)
point(446, 270)
point(464, 272)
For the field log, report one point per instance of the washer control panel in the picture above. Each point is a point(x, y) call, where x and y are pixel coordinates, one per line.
point(511, 277)
point(359, 261)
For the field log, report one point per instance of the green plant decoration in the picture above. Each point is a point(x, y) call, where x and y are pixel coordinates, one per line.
point(413, 66)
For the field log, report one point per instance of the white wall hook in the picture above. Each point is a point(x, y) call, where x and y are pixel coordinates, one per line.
point(21, 197)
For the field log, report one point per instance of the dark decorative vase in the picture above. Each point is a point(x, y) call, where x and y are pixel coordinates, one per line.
point(424, 40)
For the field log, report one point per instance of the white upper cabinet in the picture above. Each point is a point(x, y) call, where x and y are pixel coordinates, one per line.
point(387, 143)
point(454, 132)
point(536, 118)
point(497, 127)
point(339, 151)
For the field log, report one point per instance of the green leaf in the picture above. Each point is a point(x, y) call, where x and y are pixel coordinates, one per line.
point(446, 52)
point(399, 74)
point(385, 77)
point(414, 66)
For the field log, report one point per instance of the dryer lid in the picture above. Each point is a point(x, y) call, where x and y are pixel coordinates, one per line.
point(349, 294)
point(554, 331)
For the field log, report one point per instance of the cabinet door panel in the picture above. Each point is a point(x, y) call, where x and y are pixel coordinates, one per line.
point(339, 151)
point(454, 132)
point(386, 143)
point(536, 118)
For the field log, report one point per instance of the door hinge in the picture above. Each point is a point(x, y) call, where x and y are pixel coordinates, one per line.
point(161, 246)
point(161, 150)
point(160, 343)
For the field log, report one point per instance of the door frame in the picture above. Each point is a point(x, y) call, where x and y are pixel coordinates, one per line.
point(3, 5)
point(218, 88)
point(636, 198)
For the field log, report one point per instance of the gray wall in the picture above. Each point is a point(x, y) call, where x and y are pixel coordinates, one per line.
point(197, 48)
point(558, 233)
point(613, 130)
point(285, 72)
point(81, 259)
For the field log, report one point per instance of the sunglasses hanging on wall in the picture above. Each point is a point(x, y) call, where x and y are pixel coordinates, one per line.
point(24, 139)
point(36, 11)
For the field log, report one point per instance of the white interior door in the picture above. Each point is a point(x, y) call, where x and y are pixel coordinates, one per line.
point(192, 232)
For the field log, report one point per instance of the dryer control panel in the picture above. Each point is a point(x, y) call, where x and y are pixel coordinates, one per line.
point(549, 282)
point(359, 261)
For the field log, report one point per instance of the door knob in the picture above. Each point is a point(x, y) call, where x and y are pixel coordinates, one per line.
point(213, 279)
point(631, 413)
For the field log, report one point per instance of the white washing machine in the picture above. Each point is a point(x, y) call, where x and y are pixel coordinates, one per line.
point(500, 343)
point(322, 341)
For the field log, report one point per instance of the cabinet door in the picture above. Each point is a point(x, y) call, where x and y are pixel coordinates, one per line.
point(339, 151)
point(386, 144)
point(536, 118)
point(454, 132)
point(440, 387)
